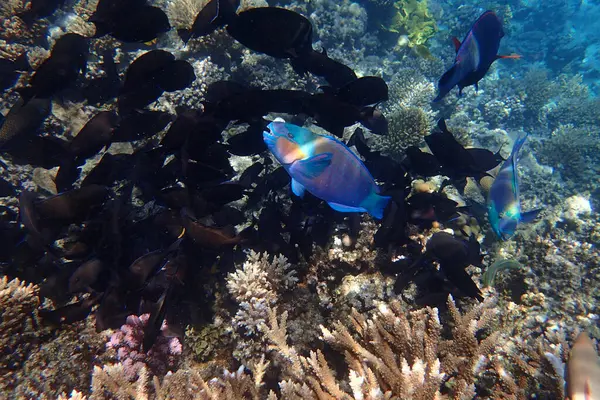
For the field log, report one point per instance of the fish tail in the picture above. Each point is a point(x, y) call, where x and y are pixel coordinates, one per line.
point(376, 204)
point(517, 146)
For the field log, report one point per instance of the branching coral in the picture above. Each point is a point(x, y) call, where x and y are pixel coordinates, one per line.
point(18, 321)
point(393, 354)
point(407, 127)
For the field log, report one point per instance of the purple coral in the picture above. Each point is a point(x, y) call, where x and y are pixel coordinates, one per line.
point(127, 341)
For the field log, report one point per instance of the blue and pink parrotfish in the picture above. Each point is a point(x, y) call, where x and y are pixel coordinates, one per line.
point(474, 55)
point(504, 207)
point(325, 167)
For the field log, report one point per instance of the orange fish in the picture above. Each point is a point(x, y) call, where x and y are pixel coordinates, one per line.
point(583, 370)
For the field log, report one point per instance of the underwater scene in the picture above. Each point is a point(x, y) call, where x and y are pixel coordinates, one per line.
point(306, 199)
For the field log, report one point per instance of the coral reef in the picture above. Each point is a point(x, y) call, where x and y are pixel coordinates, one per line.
point(127, 342)
point(407, 127)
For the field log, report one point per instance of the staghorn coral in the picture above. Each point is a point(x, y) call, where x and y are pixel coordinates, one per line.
point(393, 354)
point(255, 287)
point(182, 13)
point(128, 340)
point(18, 325)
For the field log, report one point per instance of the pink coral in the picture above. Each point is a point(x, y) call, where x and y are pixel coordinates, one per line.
point(127, 341)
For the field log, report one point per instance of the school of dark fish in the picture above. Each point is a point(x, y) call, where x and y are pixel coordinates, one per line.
point(92, 238)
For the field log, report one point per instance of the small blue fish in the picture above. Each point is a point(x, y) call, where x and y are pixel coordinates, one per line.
point(326, 168)
point(504, 208)
point(474, 55)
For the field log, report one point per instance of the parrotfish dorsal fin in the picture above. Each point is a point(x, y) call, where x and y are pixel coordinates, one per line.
point(456, 43)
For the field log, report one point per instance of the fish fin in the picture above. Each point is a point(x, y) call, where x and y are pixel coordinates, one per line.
point(312, 167)
point(476, 87)
point(456, 42)
point(510, 56)
point(324, 51)
point(529, 216)
point(376, 204)
point(297, 188)
point(343, 208)
point(442, 125)
point(448, 76)
point(185, 35)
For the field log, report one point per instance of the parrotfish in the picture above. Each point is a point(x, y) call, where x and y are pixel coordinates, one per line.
point(583, 370)
point(325, 167)
point(474, 55)
point(504, 208)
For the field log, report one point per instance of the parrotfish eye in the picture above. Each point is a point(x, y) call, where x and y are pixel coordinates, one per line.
point(290, 135)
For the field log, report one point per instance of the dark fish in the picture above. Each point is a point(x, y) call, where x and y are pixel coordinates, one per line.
point(393, 226)
point(149, 76)
point(185, 124)
point(225, 193)
point(6, 188)
point(424, 208)
point(145, 266)
point(110, 169)
point(129, 20)
point(250, 174)
point(86, 275)
point(485, 160)
point(331, 113)
point(456, 161)
point(70, 313)
point(253, 104)
point(277, 32)
point(40, 151)
point(96, 134)
point(24, 120)
point(221, 90)
point(141, 124)
point(375, 121)
point(157, 317)
point(382, 168)
point(249, 142)
point(30, 219)
point(100, 90)
point(11, 70)
point(335, 73)
point(207, 236)
point(422, 163)
point(216, 13)
point(40, 9)
point(67, 61)
point(364, 91)
point(71, 206)
point(454, 255)
point(474, 56)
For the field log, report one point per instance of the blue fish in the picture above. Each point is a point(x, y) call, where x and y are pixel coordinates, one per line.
point(474, 55)
point(504, 208)
point(325, 167)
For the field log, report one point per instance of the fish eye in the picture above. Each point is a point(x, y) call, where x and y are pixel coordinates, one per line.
point(290, 135)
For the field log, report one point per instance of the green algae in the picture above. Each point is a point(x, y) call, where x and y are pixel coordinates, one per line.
point(499, 265)
point(412, 18)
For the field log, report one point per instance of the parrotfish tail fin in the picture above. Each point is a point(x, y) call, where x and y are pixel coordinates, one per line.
point(509, 56)
point(517, 147)
point(447, 82)
point(529, 216)
point(376, 204)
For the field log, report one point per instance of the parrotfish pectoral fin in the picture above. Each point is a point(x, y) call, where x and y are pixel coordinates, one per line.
point(312, 167)
point(456, 43)
point(346, 209)
point(529, 216)
point(297, 188)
